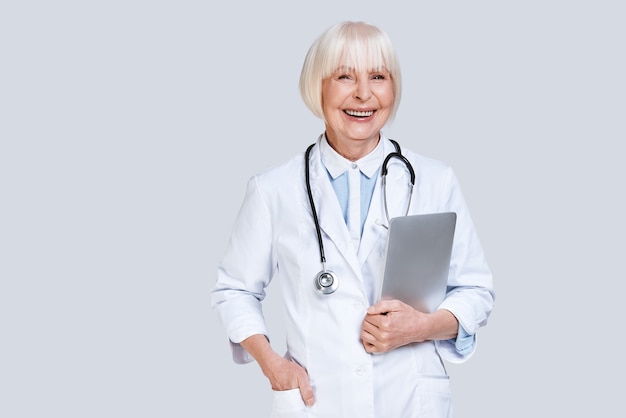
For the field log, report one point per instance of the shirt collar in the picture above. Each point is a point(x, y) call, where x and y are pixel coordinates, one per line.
point(337, 165)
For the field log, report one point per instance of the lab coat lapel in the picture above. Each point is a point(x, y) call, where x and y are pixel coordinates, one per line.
point(372, 230)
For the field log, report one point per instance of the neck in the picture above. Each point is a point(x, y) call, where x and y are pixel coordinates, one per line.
point(353, 150)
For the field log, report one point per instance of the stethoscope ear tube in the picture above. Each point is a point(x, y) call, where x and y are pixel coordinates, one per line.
point(404, 160)
point(313, 210)
point(326, 282)
point(384, 170)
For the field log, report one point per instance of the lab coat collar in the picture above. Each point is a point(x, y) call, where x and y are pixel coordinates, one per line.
point(336, 164)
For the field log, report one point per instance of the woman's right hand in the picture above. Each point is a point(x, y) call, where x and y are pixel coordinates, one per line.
point(283, 374)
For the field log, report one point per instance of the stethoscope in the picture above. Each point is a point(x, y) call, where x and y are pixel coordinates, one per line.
point(326, 281)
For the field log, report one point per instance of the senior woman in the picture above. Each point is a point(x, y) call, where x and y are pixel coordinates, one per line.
point(348, 354)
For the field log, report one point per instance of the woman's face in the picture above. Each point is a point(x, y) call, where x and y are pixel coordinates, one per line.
point(356, 104)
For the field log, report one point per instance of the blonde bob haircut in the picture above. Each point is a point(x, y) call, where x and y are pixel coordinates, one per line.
point(352, 44)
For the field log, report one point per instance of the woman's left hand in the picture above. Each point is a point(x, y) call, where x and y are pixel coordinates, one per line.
point(390, 324)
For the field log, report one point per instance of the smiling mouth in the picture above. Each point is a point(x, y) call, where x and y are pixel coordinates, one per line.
point(359, 114)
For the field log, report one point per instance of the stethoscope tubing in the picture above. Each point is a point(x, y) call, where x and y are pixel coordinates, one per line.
point(318, 230)
point(326, 282)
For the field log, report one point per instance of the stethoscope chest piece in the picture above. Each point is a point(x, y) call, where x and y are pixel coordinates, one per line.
point(326, 282)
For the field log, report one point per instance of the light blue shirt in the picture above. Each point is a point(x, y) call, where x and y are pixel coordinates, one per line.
point(339, 172)
point(342, 189)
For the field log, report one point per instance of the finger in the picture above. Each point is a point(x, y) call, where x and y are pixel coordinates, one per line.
point(372, 318)
point(369, 341)
point(371, 329)
point(381, 307)
point(369, 347)
point(367, 337)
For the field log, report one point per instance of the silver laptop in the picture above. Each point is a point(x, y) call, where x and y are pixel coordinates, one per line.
point(418, 259)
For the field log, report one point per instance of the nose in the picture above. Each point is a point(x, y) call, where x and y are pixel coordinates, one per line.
point(363, 90)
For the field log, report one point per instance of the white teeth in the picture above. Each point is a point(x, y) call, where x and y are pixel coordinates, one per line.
point(359, 114)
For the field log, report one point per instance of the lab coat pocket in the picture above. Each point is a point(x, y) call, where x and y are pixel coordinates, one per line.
point(288, 404)
point(434, 397)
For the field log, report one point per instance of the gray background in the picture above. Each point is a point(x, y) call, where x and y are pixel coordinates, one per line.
point(129, 128)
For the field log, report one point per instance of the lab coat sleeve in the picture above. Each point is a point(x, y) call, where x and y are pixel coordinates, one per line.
point(244, 272)
point(470, 294)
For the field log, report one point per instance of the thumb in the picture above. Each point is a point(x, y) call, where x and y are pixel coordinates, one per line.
point(306, 391)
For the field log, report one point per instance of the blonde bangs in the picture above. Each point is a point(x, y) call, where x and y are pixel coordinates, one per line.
point(361, 54)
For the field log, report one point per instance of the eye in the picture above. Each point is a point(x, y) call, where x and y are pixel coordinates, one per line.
point(379, 77)
point(343, 77)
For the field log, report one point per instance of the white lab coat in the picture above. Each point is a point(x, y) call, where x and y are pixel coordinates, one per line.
point(274, 238)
